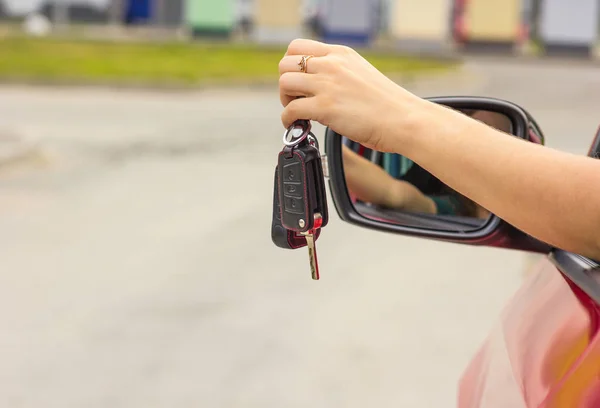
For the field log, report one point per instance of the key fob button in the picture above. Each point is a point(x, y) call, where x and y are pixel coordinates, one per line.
point(293, 188)
point(292, 172)
point(293, 205)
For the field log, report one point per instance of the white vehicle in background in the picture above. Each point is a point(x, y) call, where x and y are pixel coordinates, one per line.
point(37, 25)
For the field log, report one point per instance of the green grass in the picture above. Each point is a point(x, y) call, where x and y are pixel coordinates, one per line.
point(60, 60)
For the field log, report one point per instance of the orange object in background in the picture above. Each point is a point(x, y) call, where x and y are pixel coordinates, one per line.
point(544, 352)
point(279, 13)
point(488, 21)
point(421, 20)
point(278, 21)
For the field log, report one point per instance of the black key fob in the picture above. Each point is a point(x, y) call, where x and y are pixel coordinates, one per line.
point(301, 185)
point(299, 196)
point(282, 237)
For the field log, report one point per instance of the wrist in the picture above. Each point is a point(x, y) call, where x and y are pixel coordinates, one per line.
point(425, 128)
point(407, 122)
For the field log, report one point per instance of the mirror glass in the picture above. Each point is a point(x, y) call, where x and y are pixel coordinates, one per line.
point(391, 188)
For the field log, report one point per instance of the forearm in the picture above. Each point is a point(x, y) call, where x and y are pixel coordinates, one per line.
point(365, 180)
point(370, 183)
point(549, 194)
point(410, 197)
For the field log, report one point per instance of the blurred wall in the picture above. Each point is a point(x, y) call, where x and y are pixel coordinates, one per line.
point(278, 20)
point(79, 12)
point(172, 12)
point(210, 17)
point(421, 19)
point(278, 13)
point(349, 21)
point(493, 20)
point(572, 22)
point(21, 7)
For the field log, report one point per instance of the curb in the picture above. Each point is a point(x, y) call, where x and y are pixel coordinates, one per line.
point(252, 84)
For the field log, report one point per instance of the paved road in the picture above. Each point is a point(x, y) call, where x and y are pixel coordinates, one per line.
point(137, 269)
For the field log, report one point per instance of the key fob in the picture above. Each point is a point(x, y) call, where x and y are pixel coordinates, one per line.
point(301, 186)
point(299, 194)
point(282, 237)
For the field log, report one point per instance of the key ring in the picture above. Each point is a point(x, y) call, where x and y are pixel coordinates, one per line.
point(296, 133)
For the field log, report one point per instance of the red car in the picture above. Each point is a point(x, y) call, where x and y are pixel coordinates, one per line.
point(545, 349)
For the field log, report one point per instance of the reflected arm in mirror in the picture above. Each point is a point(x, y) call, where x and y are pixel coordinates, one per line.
point(494, 119)
point(370, 183)
point(544, 192)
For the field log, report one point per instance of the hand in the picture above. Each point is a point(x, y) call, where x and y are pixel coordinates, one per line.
point(345, 92)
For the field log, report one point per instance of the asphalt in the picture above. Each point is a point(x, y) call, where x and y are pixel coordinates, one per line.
point(136, 267)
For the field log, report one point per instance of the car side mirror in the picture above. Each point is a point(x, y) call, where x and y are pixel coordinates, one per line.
point(595, 147)
point(390, 193)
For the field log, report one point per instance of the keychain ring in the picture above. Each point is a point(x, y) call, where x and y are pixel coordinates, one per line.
point(290, 139)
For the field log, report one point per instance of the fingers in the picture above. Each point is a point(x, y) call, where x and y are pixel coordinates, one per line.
point(304, 108)
point(308, 47)
point(294, 84)
point(286, 99)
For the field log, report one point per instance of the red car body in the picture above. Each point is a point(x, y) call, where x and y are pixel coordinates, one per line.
point(544, 352)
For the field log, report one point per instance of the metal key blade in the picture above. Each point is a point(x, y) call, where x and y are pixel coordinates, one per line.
point(312, 256)
point(312, 248)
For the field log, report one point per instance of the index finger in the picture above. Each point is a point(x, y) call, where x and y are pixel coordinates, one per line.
point(303, 46)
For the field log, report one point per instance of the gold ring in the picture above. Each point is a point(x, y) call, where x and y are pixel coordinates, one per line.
point(304, 63)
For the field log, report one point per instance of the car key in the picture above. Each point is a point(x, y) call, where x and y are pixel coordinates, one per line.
point(281, 236)
point(301, 187)
point(312, 248)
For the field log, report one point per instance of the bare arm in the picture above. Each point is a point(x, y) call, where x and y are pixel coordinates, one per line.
point(370, 183)
point(551, 195)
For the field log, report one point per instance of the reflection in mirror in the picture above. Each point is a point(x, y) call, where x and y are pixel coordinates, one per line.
point(391, 188)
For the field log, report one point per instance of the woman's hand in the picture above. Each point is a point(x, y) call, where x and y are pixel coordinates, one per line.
point(541, 191)
point(345, 92)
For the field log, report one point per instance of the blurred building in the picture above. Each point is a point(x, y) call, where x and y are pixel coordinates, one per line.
point(173, 13)
point(491, 25)
point(278, 21)
point(80, 12)
point(569, 27)
point(421, 24)
point(351, 22)
point(22, 7)
point(244, 16)
point(209, 18)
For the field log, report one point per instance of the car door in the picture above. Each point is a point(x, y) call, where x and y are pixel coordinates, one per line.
point(544, 351)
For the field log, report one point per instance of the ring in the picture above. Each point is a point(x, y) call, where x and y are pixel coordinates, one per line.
point(304, 63)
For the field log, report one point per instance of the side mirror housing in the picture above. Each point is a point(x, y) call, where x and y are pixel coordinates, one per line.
point(454, 218)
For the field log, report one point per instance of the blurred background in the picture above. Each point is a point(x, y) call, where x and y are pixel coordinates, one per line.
point(138, 141)
point(529, 26)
